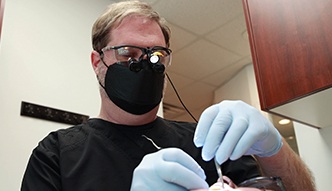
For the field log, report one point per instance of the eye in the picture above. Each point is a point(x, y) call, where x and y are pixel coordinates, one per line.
point(124, 53)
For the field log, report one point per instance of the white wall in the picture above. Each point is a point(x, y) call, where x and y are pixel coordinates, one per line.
point(44, 59)
point(315, 146)
point(241, 87)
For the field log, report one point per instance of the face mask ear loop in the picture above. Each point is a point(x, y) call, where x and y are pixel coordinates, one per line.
point(102, 60)
point(100, 83)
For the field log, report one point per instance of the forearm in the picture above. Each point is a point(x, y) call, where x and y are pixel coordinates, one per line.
point(289, 166)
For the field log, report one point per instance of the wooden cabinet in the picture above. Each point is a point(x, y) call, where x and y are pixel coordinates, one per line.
point(291, 46)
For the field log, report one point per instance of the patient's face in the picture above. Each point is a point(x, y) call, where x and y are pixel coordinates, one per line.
point(218, 187)
point(228, 186)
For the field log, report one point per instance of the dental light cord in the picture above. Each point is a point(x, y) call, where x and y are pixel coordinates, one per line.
point(177, 94)
point(219, 172)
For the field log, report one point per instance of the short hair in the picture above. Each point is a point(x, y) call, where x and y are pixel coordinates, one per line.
point(115, 13)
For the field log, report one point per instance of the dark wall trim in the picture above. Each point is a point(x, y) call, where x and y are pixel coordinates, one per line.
point(51, 114)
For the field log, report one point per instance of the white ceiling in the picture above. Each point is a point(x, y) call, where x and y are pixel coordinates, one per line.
point(210, 45)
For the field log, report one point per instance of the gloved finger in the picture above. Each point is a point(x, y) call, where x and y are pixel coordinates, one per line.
point(204, 124)
point(154, 185)
point(267, 140)
point(178, 156)
point(216, 134)
point(182, 176)
point(229, 143)
point(249, 138)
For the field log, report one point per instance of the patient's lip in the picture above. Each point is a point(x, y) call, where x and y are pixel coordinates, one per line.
point(218, 187)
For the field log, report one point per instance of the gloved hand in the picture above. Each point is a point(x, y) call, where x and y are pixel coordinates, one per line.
point(169, 169)
point(231, 129)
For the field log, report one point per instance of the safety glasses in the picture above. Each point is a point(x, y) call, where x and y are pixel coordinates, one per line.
point(264, 183)
point(125, 53)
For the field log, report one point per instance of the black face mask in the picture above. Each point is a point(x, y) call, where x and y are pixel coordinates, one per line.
point(136, 92)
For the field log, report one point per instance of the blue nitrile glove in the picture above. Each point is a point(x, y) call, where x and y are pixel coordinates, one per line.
point(231, 129)
point(169, 169)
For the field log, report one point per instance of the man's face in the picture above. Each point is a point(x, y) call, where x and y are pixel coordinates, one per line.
point(136, 31)
point(133, 30)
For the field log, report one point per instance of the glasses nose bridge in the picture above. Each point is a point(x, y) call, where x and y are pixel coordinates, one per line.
point(145, 53)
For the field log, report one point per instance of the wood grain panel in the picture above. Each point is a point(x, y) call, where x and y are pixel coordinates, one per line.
point(291, 44)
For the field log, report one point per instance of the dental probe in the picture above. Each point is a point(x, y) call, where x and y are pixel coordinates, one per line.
point(219, 172)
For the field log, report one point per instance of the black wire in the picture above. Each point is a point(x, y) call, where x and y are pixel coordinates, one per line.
point(177, 94)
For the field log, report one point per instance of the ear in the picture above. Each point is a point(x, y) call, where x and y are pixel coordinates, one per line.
point(95, 60)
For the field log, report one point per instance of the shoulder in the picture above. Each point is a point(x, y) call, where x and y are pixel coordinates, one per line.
point(65, 138)
point(45, 158)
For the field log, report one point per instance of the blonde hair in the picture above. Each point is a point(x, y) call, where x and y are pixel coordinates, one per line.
point(116, 13)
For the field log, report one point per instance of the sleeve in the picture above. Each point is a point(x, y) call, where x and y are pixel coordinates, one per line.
point(242, 169)
point(43, 172)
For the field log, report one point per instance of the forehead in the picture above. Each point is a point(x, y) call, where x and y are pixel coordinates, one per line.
point(137, 30)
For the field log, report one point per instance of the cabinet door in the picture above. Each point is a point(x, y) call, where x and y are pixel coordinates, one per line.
point(291, 45)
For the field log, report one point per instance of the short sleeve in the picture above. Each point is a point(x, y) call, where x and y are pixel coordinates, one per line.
point(43, 172)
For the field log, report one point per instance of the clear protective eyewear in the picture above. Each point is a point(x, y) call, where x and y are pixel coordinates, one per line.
point(126, 53)
point(264, 183)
